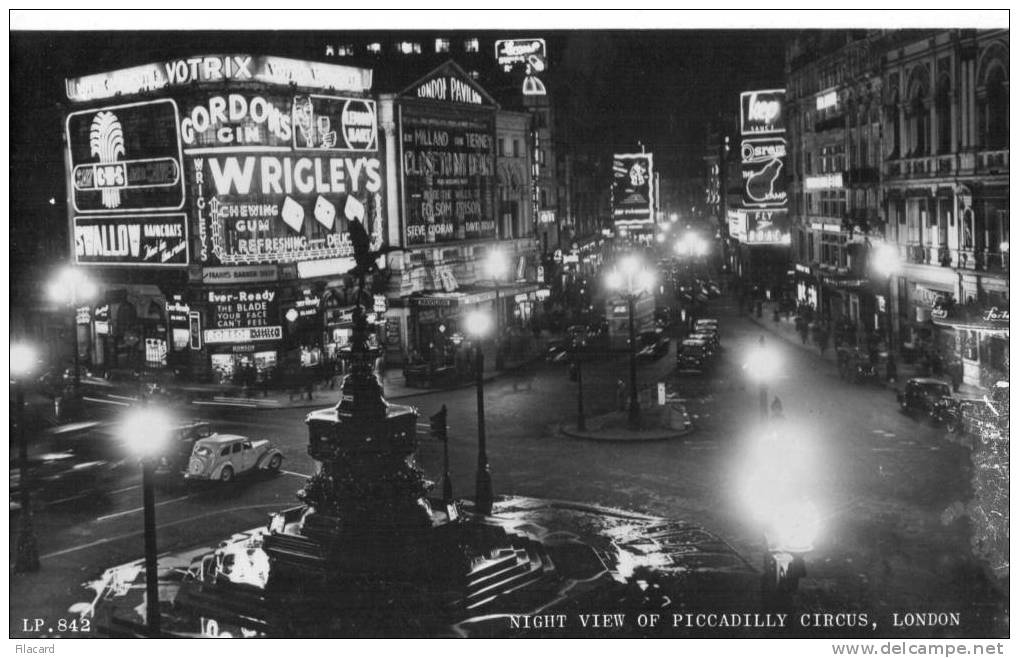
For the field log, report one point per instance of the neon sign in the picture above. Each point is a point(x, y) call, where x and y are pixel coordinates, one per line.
point(824, 182)
point(515, 51)
point(761, 112)
point(216, 69)
point(826, 100)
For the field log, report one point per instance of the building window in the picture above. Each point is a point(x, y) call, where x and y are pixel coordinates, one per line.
point(943, 109)
point(516, 148)
point(921, 123)
point(471, 46)
point(896, 130)
point(996, 135)
point(408, 48)
point(375, 48)
point(442, 45)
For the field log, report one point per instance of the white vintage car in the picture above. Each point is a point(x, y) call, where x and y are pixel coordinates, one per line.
point(225, 456)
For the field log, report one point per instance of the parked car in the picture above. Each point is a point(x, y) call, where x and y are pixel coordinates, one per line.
point(925, 395)
point(62, 476)
point(652, 345)
point(856, 366)
point(693, 356)
point(710, 339)
point(225, 456)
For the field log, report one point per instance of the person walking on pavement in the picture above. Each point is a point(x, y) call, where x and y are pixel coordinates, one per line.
point(621, 394)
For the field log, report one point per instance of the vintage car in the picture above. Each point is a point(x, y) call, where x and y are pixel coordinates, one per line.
point(652, 345)
point(694, 356)
point(58, 477)
point(177, 457)
point(926, 395)
point(224, 456)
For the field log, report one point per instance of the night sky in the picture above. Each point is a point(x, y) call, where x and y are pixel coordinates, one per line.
point(660, 87)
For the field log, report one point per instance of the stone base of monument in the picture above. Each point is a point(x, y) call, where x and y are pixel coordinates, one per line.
point(657, 423)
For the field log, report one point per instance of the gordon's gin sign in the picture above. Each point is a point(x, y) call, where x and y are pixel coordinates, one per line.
point(762, 112)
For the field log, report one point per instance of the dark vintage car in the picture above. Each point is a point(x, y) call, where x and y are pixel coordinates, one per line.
point(928, 396)
point(652, 345)
point(693, 356)
point(63, 477)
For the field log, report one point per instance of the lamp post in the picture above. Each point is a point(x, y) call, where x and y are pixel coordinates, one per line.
point(762, 366)
point(886, 263)
point(477, 325)
point(145, 432)
point(23, 362)
point(72, 287)
point(631, 279)
point(496, 267)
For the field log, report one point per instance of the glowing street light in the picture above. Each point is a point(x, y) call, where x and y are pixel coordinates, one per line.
point(763, 366)
point(496, 267)
point(691, 244)
point(885, 260)
point(631, 279)
point(24, 359)
point(145, 432)
point(478, 324)
point(72, 287)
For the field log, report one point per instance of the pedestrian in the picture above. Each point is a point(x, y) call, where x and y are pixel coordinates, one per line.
point(621, 394)
point(776, 409)
point(955, 371)
point(891, 371)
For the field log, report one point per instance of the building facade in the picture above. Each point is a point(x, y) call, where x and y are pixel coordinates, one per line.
point(900, 146)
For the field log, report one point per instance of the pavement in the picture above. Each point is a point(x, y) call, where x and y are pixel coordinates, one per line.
point(393, 384)
point(785, 328)
point(659, 423)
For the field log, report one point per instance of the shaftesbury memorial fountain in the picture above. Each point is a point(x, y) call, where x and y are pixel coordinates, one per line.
point(368, 553)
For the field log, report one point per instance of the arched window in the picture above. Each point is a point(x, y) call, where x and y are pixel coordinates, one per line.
point(943, 110)
point(895, 129)
point(920, 123)
point(996, 135)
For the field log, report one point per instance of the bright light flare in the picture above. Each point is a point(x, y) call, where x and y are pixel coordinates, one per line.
point(629, 264)
point(885, 259)
point(23, 359)
point(496, 264)
point(645, 280)
point(763, 364)
point(146, 431)
point(71, 286)
point(1003, 246)
point(614, 280)
point(660, 238)
point(778, 484)
point(478, 323)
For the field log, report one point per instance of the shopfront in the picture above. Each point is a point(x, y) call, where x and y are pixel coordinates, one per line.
point(981, 341)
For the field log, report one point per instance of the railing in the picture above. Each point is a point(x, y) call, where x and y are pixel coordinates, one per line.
point(967, 162)
point(970, 259)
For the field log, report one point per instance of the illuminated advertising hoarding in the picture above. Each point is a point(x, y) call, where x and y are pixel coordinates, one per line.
point(737, 221)
point(146, 240)
point(762, 112)
point(335, 123)
point(448, 165)
point(762, 168)
point(767, 227)
point(276, 207)
point(633, 189)
point(218, 69)
point(525, 52)
point(125, 158)
point(242, 315)
point(217, 121)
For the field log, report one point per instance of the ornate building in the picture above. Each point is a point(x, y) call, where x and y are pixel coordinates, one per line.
point(901, 138)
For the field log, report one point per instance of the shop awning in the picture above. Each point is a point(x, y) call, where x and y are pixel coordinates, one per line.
point(973, 318)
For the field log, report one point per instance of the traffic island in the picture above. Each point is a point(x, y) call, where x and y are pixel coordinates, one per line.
point(657, 423)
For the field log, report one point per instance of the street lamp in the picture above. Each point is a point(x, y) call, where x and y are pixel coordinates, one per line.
point(145, 432)
point(23, 363)
point(631, 279)
point(762, 366)
point(885, 262)
point(72, 287)
point(477, 325)
point(496, 268)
